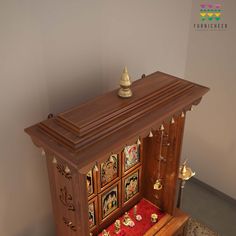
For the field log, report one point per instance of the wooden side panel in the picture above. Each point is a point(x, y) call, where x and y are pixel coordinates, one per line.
point(176, 227)
point(65, 208)
point(173, 154)
point(170, 150)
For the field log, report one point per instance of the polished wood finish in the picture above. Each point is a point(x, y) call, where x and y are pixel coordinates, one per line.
point(177, 226)
point(85, 136)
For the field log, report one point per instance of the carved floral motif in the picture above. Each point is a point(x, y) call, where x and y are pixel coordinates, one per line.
point(61, 170)
point(69, 223)
point(66, 199)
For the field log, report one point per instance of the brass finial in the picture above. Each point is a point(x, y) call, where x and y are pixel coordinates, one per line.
point(138, 142)
point(125, 83)
point(150, 134)
point(95, 167)
point(54, 160)
point(162, 127)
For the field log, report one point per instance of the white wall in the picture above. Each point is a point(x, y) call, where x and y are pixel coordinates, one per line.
point(210, 140)
point(55, 54)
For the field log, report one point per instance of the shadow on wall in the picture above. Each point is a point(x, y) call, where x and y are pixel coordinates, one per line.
point(37, 229)
point(66, 93)
point(202, 156)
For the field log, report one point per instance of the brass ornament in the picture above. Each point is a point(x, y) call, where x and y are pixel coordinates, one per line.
point(125, 83)
point(117, 226)
point(158, 185)
point(162, 127)
point(185, 172)
point(105, 233)
point(182, 114)
point(138, 142)
point(172, 120)
point(191, 109)
point(154, 218)
point(128, 221)
point(54, 160)
point(150, 134)
point(67, 170)
point(96, 167)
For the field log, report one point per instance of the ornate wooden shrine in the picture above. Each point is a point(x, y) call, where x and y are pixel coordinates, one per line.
point(111, 155)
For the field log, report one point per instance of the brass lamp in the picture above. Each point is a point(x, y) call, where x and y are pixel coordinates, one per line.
point(125, 83)
point(185, 173)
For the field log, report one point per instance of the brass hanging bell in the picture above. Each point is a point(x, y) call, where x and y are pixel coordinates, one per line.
point(158, 185)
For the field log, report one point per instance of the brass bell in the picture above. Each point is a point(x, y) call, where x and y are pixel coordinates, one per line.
point(158, 185)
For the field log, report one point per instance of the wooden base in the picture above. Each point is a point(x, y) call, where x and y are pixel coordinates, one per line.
point(170, 225)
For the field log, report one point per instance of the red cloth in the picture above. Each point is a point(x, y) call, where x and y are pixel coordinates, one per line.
point(145, 209)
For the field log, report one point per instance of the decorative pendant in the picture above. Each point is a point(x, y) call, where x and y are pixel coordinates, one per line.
point(182, 114)
point(162, 127)
point(54, 160)
point(158, 185)
point(150, 134)
point(172, 120)
point(138, 142)
point(67, 170)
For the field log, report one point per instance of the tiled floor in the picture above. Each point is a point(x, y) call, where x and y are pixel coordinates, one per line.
point(210, 209)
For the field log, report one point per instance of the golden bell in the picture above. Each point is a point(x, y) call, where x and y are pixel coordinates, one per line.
point(150, 134)
point(157, 185)
point(162, 127)
point(125, 83)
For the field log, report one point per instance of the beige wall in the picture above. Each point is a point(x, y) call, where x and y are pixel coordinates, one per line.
point(210, 142)
point(55, 54)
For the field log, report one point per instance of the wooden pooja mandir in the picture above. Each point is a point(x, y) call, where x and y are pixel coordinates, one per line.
point(110, 154)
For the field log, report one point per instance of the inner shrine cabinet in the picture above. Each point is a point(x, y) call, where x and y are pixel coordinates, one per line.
point(110, 154)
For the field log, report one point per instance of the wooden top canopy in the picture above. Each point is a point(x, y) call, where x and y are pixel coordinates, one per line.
point(102, 125)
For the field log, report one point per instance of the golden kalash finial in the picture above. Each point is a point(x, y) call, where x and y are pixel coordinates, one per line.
point(125, 83)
